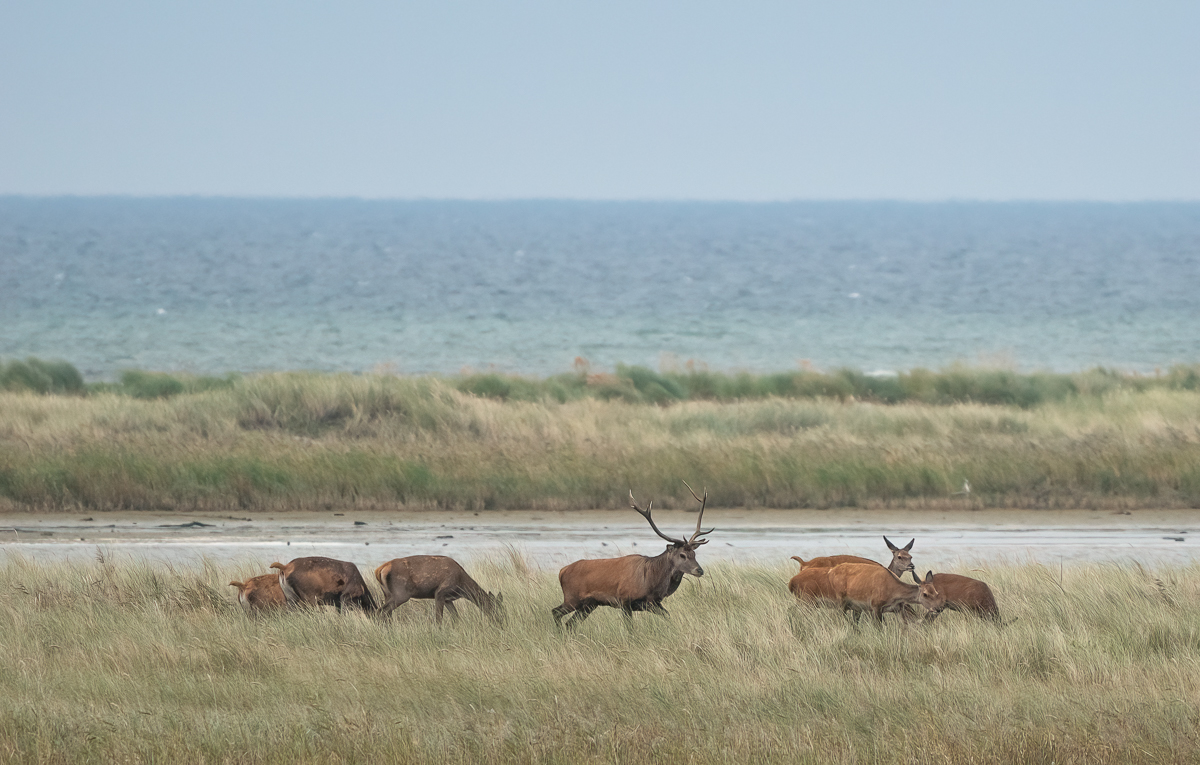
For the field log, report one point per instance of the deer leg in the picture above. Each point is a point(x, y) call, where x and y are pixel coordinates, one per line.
point(394, 601)
point(559, 612)
point(582, 613)
point(656, 608)
point(444, 598)
point(627, 613)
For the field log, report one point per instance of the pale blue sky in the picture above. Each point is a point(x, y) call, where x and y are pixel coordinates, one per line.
point(612, 100)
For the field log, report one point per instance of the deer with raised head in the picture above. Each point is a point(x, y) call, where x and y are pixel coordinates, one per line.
point(810, 583)
point(871, 588)
point(633, 582)
point(901, 559)
point(962, 593)
point(435, 577)
point(317, 580)
point(260, 593)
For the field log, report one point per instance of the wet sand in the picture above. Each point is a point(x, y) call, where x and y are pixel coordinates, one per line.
point(945, 540)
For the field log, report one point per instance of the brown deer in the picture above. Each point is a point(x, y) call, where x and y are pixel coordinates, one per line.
point(436, 577)
point(872, 588)
point(633, 582)
point(260, 593)
point(901, 559)
point(313, 581)
point(811, 585)
point(966, 595)
point(962, 593)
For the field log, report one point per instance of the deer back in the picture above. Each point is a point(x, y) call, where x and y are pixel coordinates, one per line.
point(423, 575)
point(323, 580)
point(614, 581)
point(812, 585)
point(829, 561)
point(871, 585)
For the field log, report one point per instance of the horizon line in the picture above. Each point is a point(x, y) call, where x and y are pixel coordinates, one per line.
point(949, 200)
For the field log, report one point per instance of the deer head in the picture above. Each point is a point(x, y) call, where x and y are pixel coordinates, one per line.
point(681, 552)
point(492, 604)
point(929, 597)
point(901, 557)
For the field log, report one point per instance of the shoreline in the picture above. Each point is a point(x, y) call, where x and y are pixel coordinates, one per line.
point(548, 539)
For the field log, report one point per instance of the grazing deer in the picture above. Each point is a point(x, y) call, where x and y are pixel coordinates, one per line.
point(260, 593)
point(436, 577)
point(312, 581)
point(967, 595)
point(633, 582)
point(901, 559)
point(872, 588)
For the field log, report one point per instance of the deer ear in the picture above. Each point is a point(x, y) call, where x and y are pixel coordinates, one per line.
point(916, 578)
point(888, 542)
point(910, 543)
point(928, 576)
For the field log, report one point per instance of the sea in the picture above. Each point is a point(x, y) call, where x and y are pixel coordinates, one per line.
point(214, 285)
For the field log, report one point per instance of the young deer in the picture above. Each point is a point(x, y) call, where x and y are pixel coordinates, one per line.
point(313, 581)
point(966, 595)
point(901, 559)
point(436, 577)
point(633, 582)
point(260, 593)
point(872, 588)
point(812, 584)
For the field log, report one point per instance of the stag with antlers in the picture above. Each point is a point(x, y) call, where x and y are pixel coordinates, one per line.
point(633, 582)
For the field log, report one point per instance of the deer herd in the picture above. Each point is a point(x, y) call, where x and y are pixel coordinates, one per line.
point(630, 583)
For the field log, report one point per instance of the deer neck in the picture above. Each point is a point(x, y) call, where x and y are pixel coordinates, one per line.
point(471, 590)
point(661, 574)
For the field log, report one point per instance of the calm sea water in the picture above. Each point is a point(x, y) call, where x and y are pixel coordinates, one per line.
point(212, 285)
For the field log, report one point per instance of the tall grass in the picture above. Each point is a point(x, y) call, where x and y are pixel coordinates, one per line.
point(41, 376)
point(123, 661)
point(638, 385)
point(310, 441)
point(955, 385)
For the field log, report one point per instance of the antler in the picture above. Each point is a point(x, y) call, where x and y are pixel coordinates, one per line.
point(646, 514)
point(693, 541)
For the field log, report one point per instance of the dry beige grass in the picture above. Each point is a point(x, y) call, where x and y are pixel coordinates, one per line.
point(126, 662)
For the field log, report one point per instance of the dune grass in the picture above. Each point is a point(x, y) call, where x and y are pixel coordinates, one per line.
point(131, 662)
point(309, 441)
point(957, 384)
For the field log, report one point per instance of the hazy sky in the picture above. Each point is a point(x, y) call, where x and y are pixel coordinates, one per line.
point(606, 100)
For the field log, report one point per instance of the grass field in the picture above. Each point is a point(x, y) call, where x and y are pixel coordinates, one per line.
point(309, 441)
point(117, 661)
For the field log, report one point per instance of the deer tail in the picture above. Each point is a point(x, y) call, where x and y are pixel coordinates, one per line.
point(799, 560)
point(277, 565)
point(381, 574)
point(240, 585)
